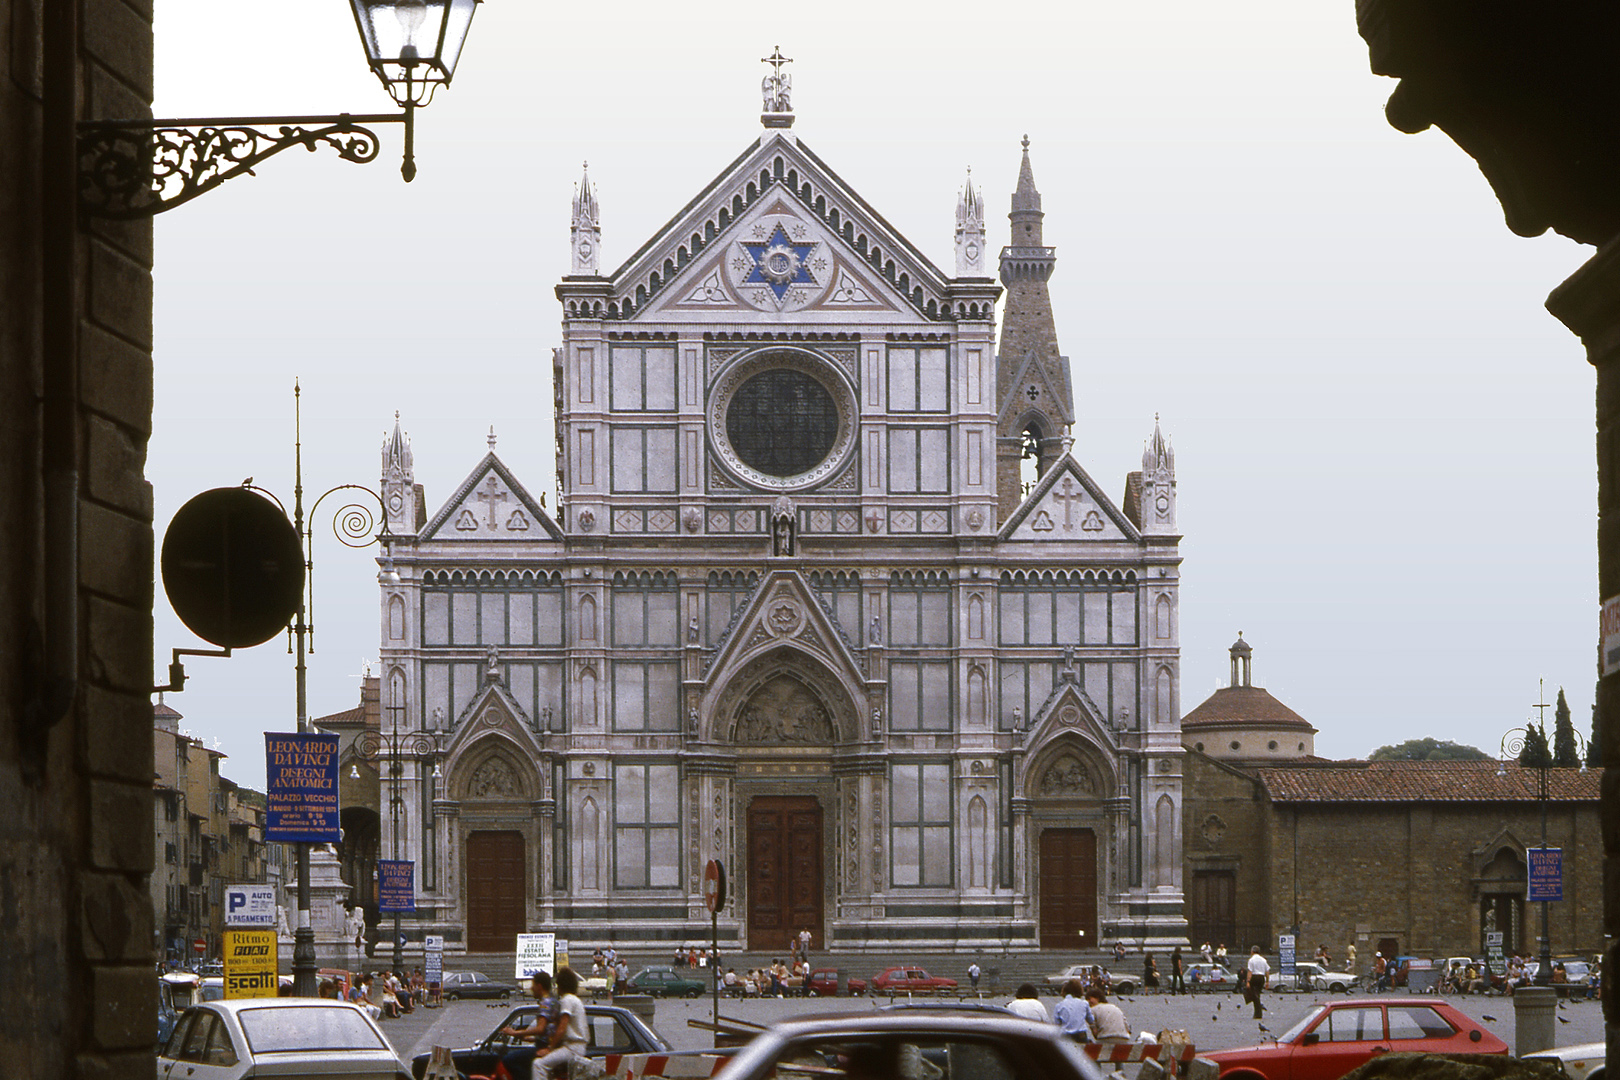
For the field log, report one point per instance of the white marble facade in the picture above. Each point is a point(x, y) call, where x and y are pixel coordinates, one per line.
point(777, 619)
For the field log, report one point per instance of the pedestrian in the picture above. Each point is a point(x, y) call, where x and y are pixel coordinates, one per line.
point(973, 975)
point(1027, 1003)
point(1220, 955)
point(568, 1039)
point(1107, 1021)
point(1178, 983)
point(1150, 972)
point(804, 942)
point(1073, 1013)
point(519, 1062)
point(1119, 951)
point(1380, 972)
point(621, 977)
point(1258, 970)
point(1350, 957)
point(1206, 953)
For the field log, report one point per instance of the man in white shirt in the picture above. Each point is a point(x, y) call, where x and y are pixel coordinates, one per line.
point(1028, 1004)
point(1258, 970)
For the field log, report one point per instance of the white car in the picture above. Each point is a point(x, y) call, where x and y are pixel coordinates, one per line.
point(261, 1037)
point(1314, 976)
point(1119, 984)
point(1581, 1062)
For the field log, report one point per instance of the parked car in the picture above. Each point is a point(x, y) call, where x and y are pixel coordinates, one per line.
point(1311, 976)
point(609, 1029)
point(1335, 1037)
point(1118, 984)
point(824, 983)
point(228, 1040)
point(665, 981)
point(913, 1042)
point(1581, 1062)
point(177, 991)
point(1209, 977)
point(475, 984)
point(910, 980)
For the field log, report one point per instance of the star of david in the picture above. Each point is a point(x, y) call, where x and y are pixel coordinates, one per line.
point(779, 263)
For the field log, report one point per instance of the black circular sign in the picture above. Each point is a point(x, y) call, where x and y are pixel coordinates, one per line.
point(232, 567)
point(782, 422)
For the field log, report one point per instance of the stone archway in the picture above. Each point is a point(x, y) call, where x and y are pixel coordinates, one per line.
point(784, 697)
point(496, 789)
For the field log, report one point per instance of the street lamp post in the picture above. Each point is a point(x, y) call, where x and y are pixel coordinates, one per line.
point(353, 525)
point(395, 746)
point(1514, 743)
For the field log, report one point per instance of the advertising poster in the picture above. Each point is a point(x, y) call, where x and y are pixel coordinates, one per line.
point(535, 952)
point(301, 792)
point(1546, 873)
point(250, 964)
point(396, 885)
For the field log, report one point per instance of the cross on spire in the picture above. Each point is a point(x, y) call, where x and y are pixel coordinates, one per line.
point(776, 60)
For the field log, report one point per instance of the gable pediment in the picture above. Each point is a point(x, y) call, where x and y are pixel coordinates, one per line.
point(491, 505)
point(713, 254)
point(1068, 710)
point(493, 711)
point(1068, 505)
point(783, 611)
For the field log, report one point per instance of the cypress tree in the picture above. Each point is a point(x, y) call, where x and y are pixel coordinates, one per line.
point(1565, 756)
point(1594, 754)
point(1535, 753)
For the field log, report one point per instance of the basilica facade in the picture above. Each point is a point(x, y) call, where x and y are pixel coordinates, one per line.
point(825, 598)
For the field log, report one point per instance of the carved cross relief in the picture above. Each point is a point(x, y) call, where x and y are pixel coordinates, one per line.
point(492, 496)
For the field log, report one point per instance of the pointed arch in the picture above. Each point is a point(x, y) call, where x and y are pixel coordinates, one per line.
point(587, 698)
point(978, 830)
point(1164, 841)
point(1161, 618)
point(975, 617)
point(590, 846)
point(976, 697)
point(1163, 696)
point(396, 618)
point(587, 618)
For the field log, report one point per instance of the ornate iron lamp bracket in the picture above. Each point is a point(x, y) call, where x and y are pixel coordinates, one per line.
point(138, 168)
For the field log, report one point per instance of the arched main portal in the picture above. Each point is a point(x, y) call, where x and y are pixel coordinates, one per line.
point(1066, 788)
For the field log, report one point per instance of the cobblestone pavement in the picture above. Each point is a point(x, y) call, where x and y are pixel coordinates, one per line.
point(1215, 1021)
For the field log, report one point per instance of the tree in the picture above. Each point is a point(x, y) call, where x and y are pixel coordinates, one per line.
point(1428, 750)
point(1535, 753)
point(1594, 754)
point(1565, 756)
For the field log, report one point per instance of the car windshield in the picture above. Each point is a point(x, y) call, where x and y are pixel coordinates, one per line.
point(1293, 1033)
point(313, 1027)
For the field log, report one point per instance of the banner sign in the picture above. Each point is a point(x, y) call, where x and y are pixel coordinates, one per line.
point(301, 789)
point(1285, 955)
point(1609, 635)
point(250, 964)
point(535, 952)
point(1546, 873)
point(250, 905)
point(396, 885)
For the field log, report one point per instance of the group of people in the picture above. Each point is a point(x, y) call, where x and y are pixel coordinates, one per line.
point(557, 1035)
point(384, 996)
point(777, 980)
point(608, 964)
point(1085, 1013)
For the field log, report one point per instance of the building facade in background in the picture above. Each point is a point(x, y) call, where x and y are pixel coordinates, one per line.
point(826, 599)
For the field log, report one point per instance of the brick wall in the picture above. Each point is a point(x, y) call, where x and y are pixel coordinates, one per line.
point(76, 845)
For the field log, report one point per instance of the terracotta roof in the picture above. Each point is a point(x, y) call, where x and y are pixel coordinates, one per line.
point(356, 715)
point(1243, 706)
point(1425, 781)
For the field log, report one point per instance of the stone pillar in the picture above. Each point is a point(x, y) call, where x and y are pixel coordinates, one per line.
point(1587, 304)
point(1533, 1009)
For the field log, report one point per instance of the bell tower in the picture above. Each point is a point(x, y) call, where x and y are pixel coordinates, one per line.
point(1032, 377)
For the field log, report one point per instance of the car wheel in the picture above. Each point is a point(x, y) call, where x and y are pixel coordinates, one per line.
point(695, 992)
point(452, 996)
point(506, 995)
point(1337, 988)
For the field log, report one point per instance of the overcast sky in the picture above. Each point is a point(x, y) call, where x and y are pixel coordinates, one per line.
point(1383, 441)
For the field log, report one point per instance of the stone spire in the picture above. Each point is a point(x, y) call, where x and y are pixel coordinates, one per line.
point(398, 481)
point(1158, 507)
point(585, 233)
point(970, 230)
point(1032, 377)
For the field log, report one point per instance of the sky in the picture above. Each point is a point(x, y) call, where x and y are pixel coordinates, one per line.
point(1384, 444)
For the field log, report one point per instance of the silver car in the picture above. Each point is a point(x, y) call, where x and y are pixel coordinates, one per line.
point(265, 1037)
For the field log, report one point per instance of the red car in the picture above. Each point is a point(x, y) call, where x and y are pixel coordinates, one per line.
point(1336, 1037)
point(902, 980)
point(824, 983)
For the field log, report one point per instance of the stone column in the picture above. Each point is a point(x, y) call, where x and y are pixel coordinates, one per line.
point(1589, 304)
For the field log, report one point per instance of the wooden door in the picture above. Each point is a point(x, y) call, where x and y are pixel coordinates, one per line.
point(1068, 869)
point(494, 891)
point(784, 872)
point(1214, 907)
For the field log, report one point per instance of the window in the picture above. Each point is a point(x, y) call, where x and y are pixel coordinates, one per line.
point(920, 834)
point(1418, 1022)
point(919, 379)
point(920, 696)
point(919, 609)
point(1352, 1025)
point(840, 593)
point(643, 379)
point(644, 459)
point(727, 591)
point(782, 422)
point(498, 609)
point(646, 696)
point(1025, 687)
point(919, 460)
point(646, 808)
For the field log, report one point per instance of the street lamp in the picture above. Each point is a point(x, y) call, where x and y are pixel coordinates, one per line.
point(138, 168)
point(1514, 743)
point(395, 746)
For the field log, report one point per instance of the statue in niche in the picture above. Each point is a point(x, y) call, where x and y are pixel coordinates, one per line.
point(874, 631)
point(692, 720)
point(492, 665)
point(782, 535)
point(438, 718)
point(493, 779)
point(877, 721)
point(783, 712)
point(1018, 718)
point(1067, 776)
point(693, 631)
